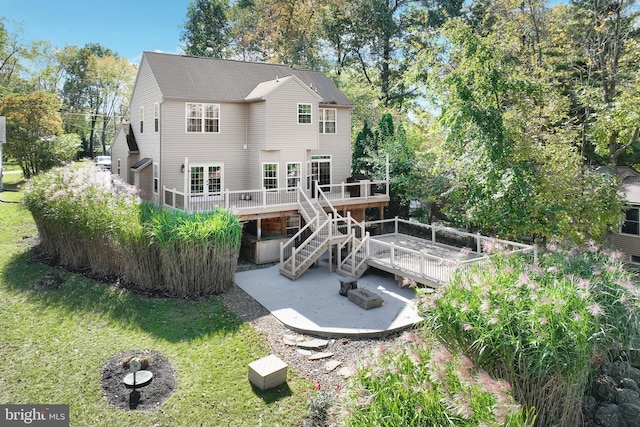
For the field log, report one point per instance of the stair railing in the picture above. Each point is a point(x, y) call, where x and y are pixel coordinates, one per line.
point(357, 256)
point(323, 235)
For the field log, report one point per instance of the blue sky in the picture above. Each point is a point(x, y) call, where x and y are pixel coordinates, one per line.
point(126, 27)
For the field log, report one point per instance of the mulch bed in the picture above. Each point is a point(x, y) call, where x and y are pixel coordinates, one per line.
point(147, 398)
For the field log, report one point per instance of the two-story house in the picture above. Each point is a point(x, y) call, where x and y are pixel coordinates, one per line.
point(254, 138)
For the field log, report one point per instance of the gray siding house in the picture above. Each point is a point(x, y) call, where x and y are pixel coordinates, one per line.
point(254, 138)
point(628, 240)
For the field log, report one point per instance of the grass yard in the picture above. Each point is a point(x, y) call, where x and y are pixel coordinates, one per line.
point(54, 341)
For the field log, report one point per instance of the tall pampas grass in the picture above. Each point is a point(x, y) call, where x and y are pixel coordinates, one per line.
point(86, 221)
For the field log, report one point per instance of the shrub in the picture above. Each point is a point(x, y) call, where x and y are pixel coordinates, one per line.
point(423, 384)
point(87, 222)
point(199, 251)
point(319, 403)
point(78, 216)
point(541, 327)
point(141, 262)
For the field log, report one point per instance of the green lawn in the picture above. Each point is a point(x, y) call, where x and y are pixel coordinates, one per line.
point(53, 343)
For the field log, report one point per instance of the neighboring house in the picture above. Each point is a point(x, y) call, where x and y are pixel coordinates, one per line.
point(628, 240)
point(251, 137)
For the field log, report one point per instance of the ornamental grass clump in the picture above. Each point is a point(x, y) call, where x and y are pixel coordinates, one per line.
point(78, 214)
point(421, 383)
point(89, 219)
point(140, 253)
point(198, 251)
point(544, 328)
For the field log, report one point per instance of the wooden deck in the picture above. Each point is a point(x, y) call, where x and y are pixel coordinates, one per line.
point(419, 259)
point(249, 203)
point(428, 254)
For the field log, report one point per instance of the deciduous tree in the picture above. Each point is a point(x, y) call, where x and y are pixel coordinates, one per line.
point(206, 29)
point(34, 132)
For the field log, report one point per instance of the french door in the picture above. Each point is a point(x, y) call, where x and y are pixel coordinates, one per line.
point(205, 180)
point(319, 169)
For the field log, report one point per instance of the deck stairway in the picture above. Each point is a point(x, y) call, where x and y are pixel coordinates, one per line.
point(316, 237)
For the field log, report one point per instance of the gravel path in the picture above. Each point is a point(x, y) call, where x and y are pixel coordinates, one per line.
point(347, 351)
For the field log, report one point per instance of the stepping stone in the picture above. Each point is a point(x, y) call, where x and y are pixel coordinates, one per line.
point(347, 372)
point(304, 352)
point(318, 356)
point(292, 340)
point(331, 365)
point(314, 344)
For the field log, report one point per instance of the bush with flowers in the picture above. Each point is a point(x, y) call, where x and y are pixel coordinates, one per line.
point(89, 219)
point(544, 327)
point(319, 403)
point(420, 383)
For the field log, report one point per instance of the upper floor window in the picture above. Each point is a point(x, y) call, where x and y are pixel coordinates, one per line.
point(156, 116)
point(118, 166)
point(203, 118)
point(270, 175)
point(141, 119)
point(304, 113)
point(632, 221)
point(327, 120)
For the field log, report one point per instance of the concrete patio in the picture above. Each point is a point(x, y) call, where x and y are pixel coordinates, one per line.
point(312, 304)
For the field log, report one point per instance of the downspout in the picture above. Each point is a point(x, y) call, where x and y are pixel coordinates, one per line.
point(161, 183)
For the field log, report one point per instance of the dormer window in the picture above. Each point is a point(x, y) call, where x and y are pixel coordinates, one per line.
point(203, 118)
point(304, 114)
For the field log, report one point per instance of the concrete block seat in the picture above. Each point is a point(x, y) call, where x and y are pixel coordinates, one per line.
point(268, 372)
point(365, 298)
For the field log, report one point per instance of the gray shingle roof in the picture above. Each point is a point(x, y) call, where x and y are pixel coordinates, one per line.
point(141, 164)
point(190, 77)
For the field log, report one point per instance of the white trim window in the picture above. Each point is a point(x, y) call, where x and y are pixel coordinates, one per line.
point(156, 116)
point(294, 174)
point(304, 114)
point(202, 118)
point(206, 180)
point(118, 166)
point(156, 178)
point(327, 120)
point(632, 221)
point(141, 119)
point(270, 176)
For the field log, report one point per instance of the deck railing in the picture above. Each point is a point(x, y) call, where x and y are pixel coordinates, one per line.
point(365, 189)
point(232, 200)
point(420, 264)
point(263, 198)
point(438, 234)
point(413, 263)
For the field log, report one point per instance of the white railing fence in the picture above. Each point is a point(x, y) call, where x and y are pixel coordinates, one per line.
point(273, 197)
point(421, 264)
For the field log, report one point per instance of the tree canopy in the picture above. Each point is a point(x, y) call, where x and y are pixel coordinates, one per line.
point(494, 113)
point(35, 135)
